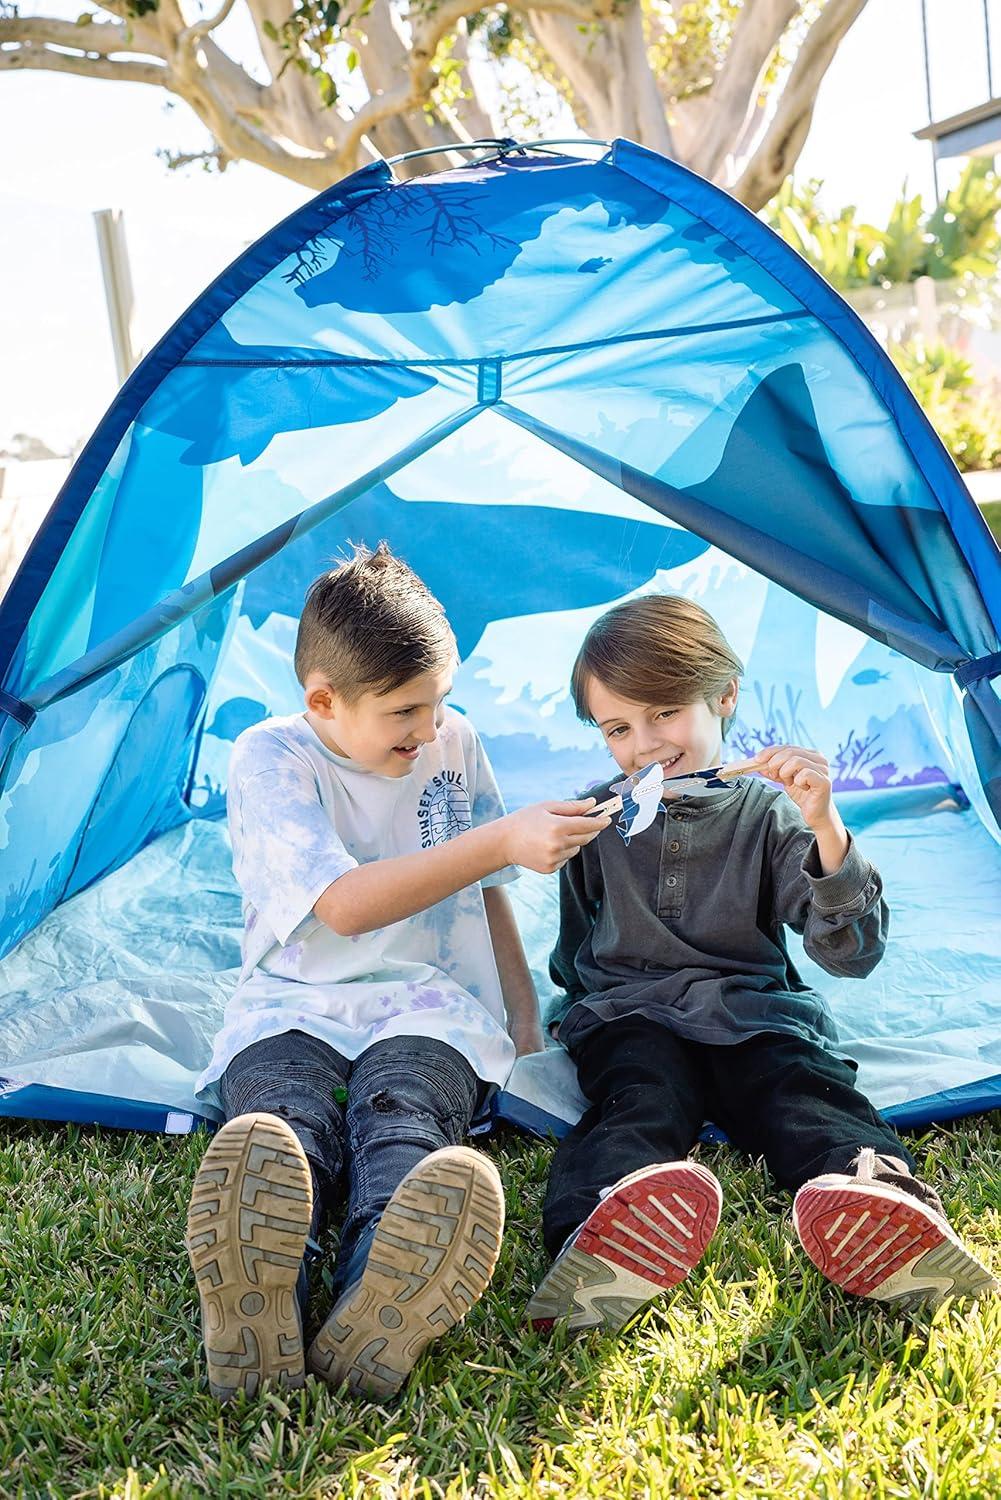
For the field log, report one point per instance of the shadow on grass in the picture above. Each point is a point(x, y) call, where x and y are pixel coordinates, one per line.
point(754, 1367)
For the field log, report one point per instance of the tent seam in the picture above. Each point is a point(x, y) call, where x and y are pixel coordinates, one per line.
point(886, 381)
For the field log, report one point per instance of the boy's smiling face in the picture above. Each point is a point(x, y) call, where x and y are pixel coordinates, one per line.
point(382, 732)
point(683, 737)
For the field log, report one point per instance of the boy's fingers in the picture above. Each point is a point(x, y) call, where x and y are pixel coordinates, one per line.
point(569, 809)
point(776, 755)
point(812, 776)
point(581, 828)
point(579, 840)
point(786, 765)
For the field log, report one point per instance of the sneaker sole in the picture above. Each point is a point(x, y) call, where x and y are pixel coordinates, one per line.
point(432, 1256)
point(870, 1242)
point(248, 1220)
point(640, 1241)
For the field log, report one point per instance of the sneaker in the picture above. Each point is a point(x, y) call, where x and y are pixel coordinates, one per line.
point(646, 1234)
point(878, 1232)
point(248, 1222)
point(432, 1256)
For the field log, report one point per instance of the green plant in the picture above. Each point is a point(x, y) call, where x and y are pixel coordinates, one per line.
point(992, 515)
point(967, 420)
point(755, 1380)
point(958, 239)
point(840, 248)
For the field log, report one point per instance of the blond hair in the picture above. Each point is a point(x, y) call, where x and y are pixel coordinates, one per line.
point(658, 649)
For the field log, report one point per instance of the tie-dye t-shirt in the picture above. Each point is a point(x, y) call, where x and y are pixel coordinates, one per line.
point(300, 817)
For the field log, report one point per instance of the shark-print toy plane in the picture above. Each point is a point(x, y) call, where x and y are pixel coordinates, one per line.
point(637, 797)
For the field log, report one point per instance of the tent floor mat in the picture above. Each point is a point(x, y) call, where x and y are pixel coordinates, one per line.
point(117, 994)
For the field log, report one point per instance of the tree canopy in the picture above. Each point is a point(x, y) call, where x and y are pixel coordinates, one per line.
point(312, 89)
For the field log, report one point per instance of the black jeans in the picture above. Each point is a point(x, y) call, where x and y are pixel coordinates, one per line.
point(362, 1124)
point(776, 1095)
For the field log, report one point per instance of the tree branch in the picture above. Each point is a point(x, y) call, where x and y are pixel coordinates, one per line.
point(100, 37)
point(608, 68)
point(475, 117)
point(783, 139)
point(654, 130)
point(191, 35)
point(267, 16)
point(573, 53)
point(603, 48)
point(427, 28)
point(758, 30)
point(29, 56)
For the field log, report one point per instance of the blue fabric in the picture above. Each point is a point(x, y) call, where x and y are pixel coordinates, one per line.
point(30, 1101)
point(551, 382)
point(124, 985)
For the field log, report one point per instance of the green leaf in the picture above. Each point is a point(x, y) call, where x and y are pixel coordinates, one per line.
point(352, 60)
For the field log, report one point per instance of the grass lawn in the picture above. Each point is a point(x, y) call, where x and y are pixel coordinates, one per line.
point(755, 1379)
point(992, 515)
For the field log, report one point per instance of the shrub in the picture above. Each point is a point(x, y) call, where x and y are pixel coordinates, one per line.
point(968, 420)
point(958, 239)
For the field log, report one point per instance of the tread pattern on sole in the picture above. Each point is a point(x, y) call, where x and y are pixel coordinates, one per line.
point(432, 1256)
point(248, 1219)
point(875, 1244)
point(642, 1239)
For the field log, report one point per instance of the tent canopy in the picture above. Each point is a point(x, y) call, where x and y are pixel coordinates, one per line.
point(552, 380)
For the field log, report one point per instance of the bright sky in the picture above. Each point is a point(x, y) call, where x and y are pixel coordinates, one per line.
point(70, 146)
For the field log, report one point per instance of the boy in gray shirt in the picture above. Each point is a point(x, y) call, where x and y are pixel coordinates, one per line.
point(682, 1003)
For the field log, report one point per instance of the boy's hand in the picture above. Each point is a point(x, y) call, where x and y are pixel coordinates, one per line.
point(805, 775)
point(544, 836)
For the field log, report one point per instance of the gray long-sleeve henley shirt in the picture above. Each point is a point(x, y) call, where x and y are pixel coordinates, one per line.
point(685, 925)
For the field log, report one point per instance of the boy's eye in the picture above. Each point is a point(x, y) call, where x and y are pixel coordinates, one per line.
point(619, 729)
point(667, 713)
point(402, 713)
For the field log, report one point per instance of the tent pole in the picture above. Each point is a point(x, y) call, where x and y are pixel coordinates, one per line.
point(500, 146)
point(178, 605)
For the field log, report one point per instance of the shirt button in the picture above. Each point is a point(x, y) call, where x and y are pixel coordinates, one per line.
point(675, 847)
point(671, 880)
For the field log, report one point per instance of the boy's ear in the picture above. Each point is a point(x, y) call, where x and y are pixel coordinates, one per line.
point(320, 696)
point(727, 703)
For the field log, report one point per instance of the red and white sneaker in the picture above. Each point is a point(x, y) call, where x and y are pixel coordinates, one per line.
point(646, 1234)
point(873, 1236)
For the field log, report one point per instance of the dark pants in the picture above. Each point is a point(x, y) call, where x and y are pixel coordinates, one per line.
point(362, 1124)
point(777, 1096)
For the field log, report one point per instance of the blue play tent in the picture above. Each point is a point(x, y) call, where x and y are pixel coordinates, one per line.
point(553, 378)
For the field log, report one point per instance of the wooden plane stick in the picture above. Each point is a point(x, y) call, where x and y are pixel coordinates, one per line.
point(736, 768)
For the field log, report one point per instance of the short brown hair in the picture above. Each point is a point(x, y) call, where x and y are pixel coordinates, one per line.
point(371, 625)
point(660, 648)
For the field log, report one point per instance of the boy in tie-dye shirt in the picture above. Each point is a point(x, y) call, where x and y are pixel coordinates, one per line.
point(384, 993)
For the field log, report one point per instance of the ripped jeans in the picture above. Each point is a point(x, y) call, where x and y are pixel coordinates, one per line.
point(362, 1124)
